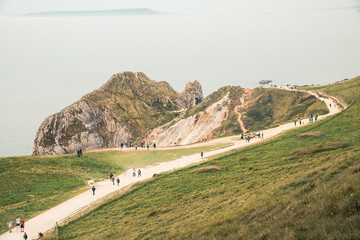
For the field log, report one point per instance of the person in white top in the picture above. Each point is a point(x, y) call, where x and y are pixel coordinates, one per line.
point(17, 222)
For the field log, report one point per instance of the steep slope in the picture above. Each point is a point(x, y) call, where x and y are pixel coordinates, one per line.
point(234, 110)
point(123, 109)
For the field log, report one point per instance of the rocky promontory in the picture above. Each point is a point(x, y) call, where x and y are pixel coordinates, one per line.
point(124, 109)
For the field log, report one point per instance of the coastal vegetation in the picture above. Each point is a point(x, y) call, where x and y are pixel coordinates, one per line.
point(30, 185)
point(265, 191)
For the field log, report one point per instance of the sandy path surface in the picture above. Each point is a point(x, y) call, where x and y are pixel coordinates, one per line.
point(47, 220)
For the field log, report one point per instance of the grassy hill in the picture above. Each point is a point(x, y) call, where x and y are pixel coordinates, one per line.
point(30, 185)
point(302, 185)
point(271, 108)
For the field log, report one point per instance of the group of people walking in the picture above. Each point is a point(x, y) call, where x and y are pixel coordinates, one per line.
point(20, 223)
point(114, 179)
point(142, 144)
point(311, 120)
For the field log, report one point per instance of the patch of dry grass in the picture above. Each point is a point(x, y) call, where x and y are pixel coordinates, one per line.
point(323, 147)
point(206, 169)
point(310, 135)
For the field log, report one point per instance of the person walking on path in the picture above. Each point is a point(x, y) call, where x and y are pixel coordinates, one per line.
point(118, 181)
point(93, 189)
point(22, 225)
point(9, 223)
point(262, 135)
point(202, 155)
point(248, 139)
point(17, 222)
point(139, 173)
point(134, 172)
point(295, 122)
point(111, 176)
point(147, 145)
point(25, 236)
point(113, 180)
point(154, 145)
point(135, 146)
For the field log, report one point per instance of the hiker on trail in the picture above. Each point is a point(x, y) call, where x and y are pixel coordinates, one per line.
point(22, 225)
point(80, 152)
point(295, 122)
point(135, 146)
point(93, 189)
point(262, 135)
point(118, 181)
point(139, 173)
point(316, 117)
point(134, 172)
point(113, 180)
point(248, 139)
point(202, 155)
point(259, 135)
point(154, 145)
point(111, 176)
point(242, 136)
point(25, 236)
point(17, 222)
point(147, 145)
point(330, 104)
point(9, 223)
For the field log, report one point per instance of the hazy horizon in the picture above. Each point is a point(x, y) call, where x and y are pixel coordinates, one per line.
point(49, 63)
point(10, 7)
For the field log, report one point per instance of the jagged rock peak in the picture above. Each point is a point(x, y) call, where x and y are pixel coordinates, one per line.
point(192, 95)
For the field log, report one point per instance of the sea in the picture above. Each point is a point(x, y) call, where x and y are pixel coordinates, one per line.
point(47, 63)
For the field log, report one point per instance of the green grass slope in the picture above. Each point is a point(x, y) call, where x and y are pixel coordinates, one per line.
point(301, 185)
point(32, 184)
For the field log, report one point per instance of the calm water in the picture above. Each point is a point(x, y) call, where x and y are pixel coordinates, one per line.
point(48, 63)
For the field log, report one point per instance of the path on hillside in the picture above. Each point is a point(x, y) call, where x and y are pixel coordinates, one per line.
point(47, 220)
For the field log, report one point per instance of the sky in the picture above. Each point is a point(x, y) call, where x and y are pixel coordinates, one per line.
point(9, 7)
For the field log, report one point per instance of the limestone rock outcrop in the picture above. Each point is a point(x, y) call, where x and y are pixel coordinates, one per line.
point(124, 109)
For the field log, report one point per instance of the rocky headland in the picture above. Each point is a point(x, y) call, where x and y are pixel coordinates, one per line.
point(130, 107)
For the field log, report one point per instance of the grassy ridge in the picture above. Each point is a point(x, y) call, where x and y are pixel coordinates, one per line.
point(32, 184)
point(265, 191)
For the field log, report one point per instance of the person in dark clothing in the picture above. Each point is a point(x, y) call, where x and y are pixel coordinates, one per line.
point(25, 236)
point(111, 176)
point(93, 189)
point(118, 181)
point(202, 155)
point(139, 173)
point(22, 225)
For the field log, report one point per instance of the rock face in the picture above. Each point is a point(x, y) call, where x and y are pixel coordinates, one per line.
point(194, 128)
point(192, 95)
point(122, 110)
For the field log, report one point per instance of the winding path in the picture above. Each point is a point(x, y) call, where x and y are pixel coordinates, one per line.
point(47, 220)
